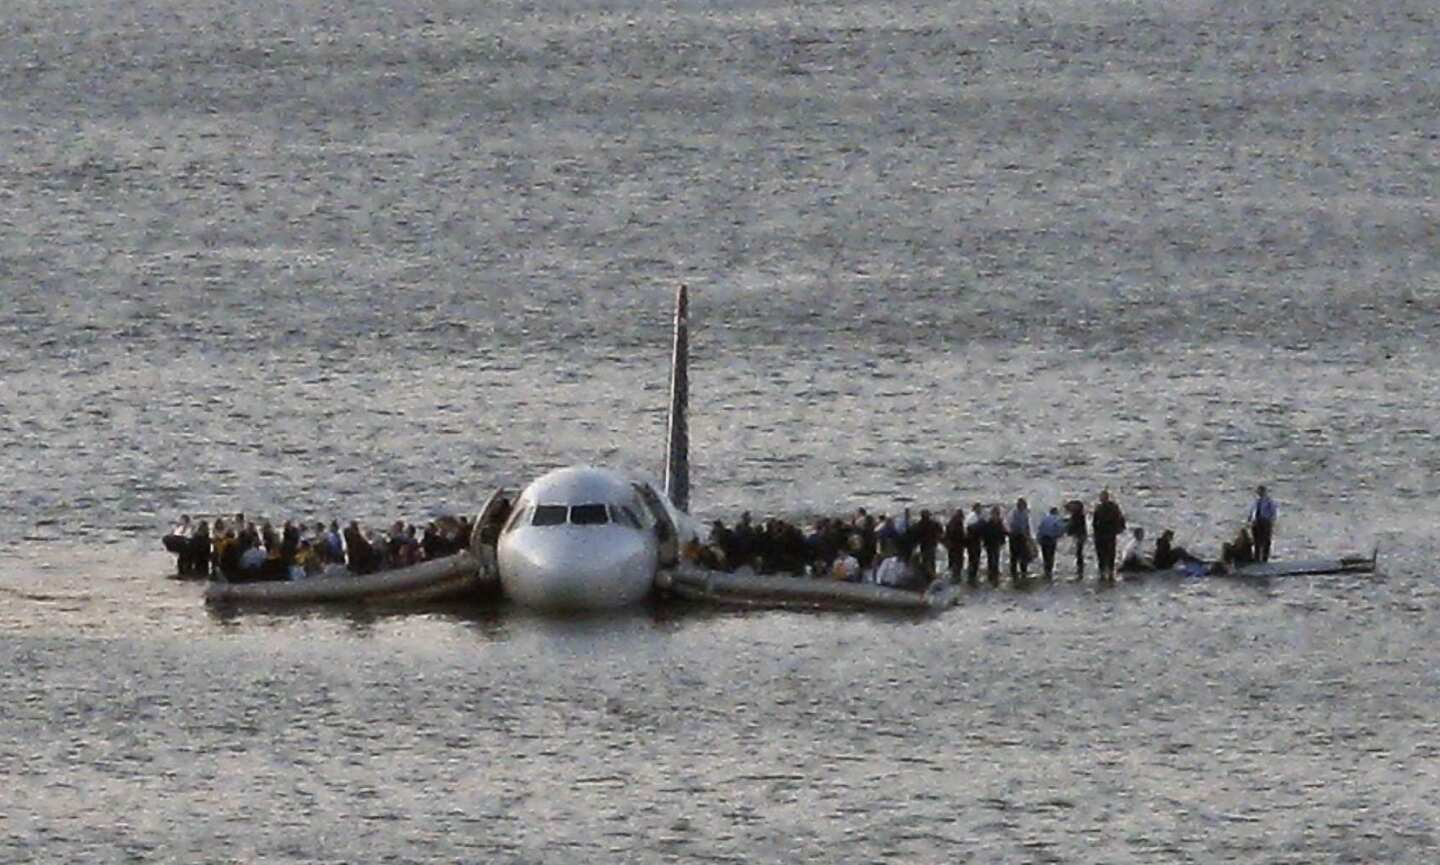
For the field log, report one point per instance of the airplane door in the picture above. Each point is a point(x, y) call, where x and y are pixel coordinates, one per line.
point(485, 534)
point(665, 533)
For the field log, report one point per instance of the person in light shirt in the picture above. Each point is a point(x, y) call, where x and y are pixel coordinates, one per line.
point(1133, 557)
point(974, 541)
point(1048, 533)
point(178, 542)
point(1262, 523)
point(252, 561)
point(893, 572)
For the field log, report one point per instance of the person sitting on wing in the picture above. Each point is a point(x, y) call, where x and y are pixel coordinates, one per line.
point(1168, 556)
point(1133, 558)
point(893, 571)
point(846, 568)
point(1240, 551)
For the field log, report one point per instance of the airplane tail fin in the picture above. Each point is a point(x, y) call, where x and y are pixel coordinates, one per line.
point(677, 450)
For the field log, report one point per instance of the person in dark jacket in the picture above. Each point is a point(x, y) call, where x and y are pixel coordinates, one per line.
point(744, 538)
point(905, 537)
point(229, 562)
point(1240, 551)
point(955, 544)
point(793, 553)
point(1108, 523)
point(928, 533)
point(1018, 533)
point(221, 545)
point(198, 550)
point(431, 543)
point(723, 540)
point(361, 554)
point(993, 535)
point(289, 543)
point(865, 529)
point(1075, 528)
point(821, 546)
point(395, 543)
point(269, 538)
point(1167, 555)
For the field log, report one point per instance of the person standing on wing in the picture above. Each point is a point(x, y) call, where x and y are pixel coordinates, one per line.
point(992, 530)
point(1018, 531)
point(1262, 523)
point(1075, 528)
point(1108, 522)
point(1051, 529)
point(974, 541)
point(955, 544)
point(928, 533)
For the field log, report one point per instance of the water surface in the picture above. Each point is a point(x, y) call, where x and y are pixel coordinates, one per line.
point(372, 262)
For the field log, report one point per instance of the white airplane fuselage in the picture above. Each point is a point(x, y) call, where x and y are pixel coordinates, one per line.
point(586, 538)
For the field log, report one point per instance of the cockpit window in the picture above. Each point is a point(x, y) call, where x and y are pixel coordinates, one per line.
point(549, 515)
point(589, 515)
point(622, 515)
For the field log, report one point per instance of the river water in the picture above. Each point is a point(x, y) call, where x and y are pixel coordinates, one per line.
point(371, 261)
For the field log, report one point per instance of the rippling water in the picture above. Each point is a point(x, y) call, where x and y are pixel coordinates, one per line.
point(372, 261)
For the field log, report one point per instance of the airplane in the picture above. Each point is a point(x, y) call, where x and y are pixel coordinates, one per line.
point(588, 538)
point(591, 538)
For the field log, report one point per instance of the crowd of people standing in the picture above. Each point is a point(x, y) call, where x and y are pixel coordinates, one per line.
point(241, 550)
point(903, 550)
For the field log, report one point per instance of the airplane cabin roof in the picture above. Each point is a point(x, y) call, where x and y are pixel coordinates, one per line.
point(579, 485)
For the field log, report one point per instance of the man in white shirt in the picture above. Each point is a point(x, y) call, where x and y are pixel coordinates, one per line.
point(1262, 523)
point(1133, 558)
point(178, 542)
point(974, 542)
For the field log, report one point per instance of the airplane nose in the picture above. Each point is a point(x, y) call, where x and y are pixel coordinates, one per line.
point(568, 568)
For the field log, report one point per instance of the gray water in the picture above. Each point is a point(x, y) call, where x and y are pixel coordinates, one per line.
point(373, 260)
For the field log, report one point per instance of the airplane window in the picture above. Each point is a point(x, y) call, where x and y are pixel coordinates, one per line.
point(622, 515)
point(589, 515)
point(549, 515)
